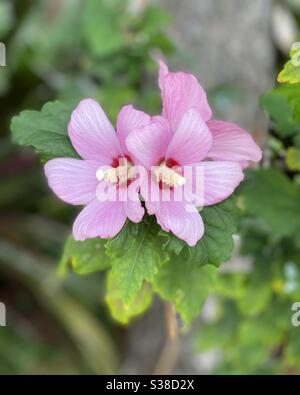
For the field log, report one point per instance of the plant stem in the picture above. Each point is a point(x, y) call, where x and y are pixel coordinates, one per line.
point(169, 355)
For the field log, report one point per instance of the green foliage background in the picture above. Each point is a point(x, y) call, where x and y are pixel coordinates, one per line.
point(62, 50)
point(60, 321)
point(252, 324)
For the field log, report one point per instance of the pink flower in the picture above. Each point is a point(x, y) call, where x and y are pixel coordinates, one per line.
point(183, 138)
point(105, 162)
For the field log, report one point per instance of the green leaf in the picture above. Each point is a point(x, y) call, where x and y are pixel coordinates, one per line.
point(84, 257)
point(271, 196)
point(283, 106)
point(101, 27)
point(293, 159)
point(291, 70)
point(45, 130)
point(290, 73)
point(216, 245)
point(121, 312)
point(171, 243)
point(185, 285)
point(136, 253)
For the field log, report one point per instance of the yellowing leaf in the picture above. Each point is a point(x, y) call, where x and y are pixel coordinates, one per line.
point(124, 312)
point(290, 73)
point(291, 70)
point(293, 159)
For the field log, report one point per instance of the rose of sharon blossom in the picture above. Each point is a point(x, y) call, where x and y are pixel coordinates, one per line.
point(106, 163)
point(185, 138)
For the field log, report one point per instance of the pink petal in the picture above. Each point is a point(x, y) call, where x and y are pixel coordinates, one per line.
point(192, 140)
point(106, 191)
point(220, 180)
point(194, 184)
point(232, 143)
point(182, 219)
point(72, 180)
point(180, 92)
point(152, 208)
point(149, 144)
point(244, 164)
point(99, 219)
point(162, 73)
point(150, 192)
point(92, 134)
point(132, 204)
point(128, 120)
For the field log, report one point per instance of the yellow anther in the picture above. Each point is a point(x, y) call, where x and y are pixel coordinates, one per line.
point(168, 176)
point(120, 174)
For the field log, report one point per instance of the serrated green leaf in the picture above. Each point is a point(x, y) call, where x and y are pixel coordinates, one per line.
point(121, 312)
point(283, 106)
point(293, 159)
point(271, 196)
point(84, 257)
point(45, 130)
point(136, 253)
point(185, 285)
point(216, 245)
point(171, 243)
point(291, 70)
point(290, 73)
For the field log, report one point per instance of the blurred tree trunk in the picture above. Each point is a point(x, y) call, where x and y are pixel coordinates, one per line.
point(226, 44)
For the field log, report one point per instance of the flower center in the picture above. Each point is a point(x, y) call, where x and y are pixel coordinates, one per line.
point(121, 174)
point(165, 174)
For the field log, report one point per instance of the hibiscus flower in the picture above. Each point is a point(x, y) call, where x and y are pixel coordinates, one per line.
point(106, 163)
point(181, 144)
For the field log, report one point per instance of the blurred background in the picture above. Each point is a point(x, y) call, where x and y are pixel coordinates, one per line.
point(70, 49)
